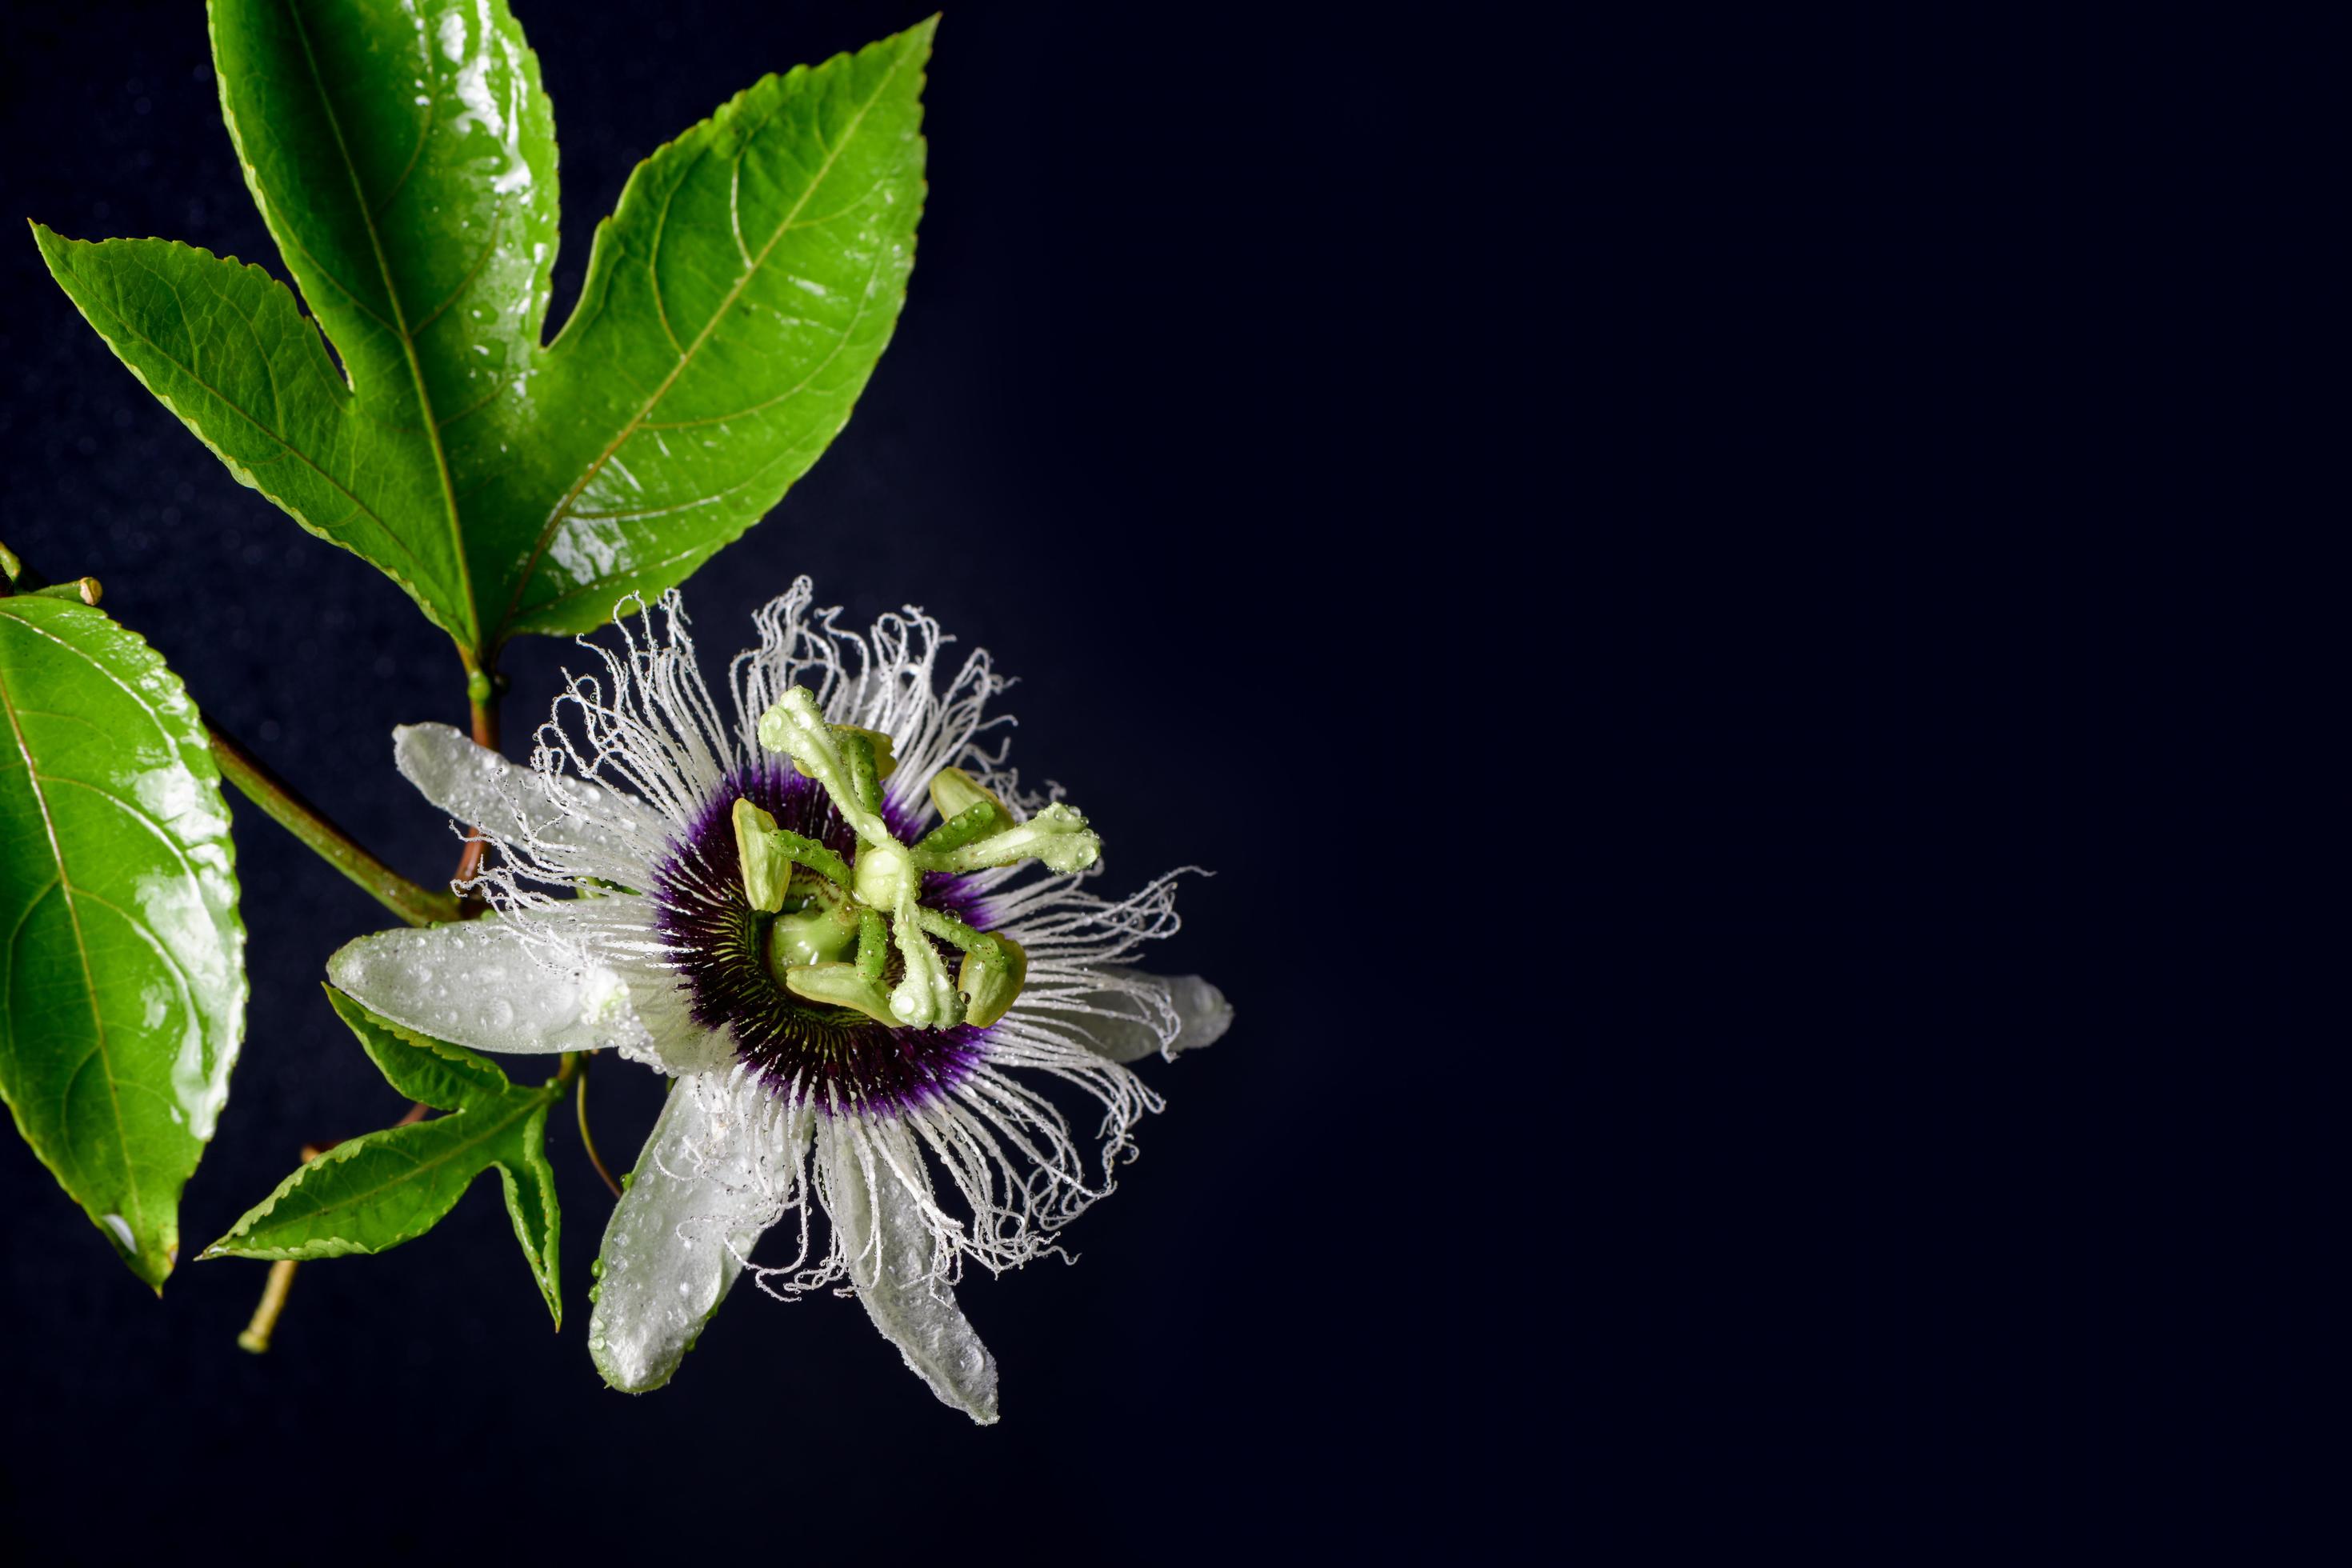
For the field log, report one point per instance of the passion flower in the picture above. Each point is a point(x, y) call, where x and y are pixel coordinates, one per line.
point(846, 930)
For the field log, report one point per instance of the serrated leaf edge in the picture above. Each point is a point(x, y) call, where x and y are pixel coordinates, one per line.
point(524, 1104)
point(43, 235)
point(469, 639)
point(912, 44)
point(444, 1050)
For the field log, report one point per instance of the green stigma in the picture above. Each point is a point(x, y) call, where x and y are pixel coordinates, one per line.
point(838, 920)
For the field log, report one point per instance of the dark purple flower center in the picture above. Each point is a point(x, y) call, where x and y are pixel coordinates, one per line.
point(829, 1057)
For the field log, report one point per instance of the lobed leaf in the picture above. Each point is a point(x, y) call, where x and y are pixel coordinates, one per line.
point(435, 1072)
point(737, 302)
point(403, 154)
point(370, 1194)
point(226, 347)
point(122, 985)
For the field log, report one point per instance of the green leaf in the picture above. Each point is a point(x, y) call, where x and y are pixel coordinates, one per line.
point(737, 301)
point(434, 1072)
point(122, 985)
point(403, 157)
point(372, 1193)
point(226, 348)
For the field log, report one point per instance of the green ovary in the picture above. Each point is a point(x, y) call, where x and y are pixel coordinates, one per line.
point(823, 930)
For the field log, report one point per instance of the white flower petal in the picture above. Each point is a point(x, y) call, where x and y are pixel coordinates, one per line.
point(705, 1188)
point(893, 1262)
point(1201, 1010)
point(599, 829)
point(679, 1045)
point(1138, 1014)
point(493, 984)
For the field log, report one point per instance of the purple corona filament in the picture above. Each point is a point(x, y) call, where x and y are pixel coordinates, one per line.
point(832, 1057)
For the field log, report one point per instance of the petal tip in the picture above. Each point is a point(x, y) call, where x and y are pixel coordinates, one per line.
point(1203, 1012)
point(971, 1387)
point(631, 1375)
point(347, 964)
point(410, 742)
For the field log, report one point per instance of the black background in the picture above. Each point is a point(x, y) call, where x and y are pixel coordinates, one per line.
point(1660, 570)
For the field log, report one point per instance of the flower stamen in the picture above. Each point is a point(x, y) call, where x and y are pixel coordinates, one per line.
point(796, 726)
point(978, 831)
point(769, 854)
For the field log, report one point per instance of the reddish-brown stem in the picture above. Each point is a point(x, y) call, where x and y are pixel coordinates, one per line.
point(482, 693)
point(587, 1141)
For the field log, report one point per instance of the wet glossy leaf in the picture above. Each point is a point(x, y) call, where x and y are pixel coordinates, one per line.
point(404, 156)
point(122, 983)
point(226, 349)
point(372, 1193)
point(736, 302)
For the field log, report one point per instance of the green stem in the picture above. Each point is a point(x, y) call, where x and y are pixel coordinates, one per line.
point(282, 804)
point(256, 1338)
point(482, 698)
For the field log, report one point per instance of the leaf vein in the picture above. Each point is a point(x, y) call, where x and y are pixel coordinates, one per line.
point(407, 340)
point(136, 1201)
point(286, 447)
point(563, 508)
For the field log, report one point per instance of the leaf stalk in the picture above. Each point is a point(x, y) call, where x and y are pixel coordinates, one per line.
point(283, 804)
point(255, 1337)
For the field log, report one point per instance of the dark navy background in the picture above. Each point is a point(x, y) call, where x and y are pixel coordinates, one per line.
point(1656, 569)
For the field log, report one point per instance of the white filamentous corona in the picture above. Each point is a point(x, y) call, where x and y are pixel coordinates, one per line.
point(848, 933)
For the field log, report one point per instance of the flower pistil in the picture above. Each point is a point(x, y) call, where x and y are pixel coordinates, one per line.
point(835, 921)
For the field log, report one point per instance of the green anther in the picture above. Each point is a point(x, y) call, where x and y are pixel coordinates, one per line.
point(993, 982)
point(767, 866)
point(769, 853)
point(961, 829)
point(842, 986)
point(873, 944)
point(995, 967)
point(1058, 836)
point(955, 791)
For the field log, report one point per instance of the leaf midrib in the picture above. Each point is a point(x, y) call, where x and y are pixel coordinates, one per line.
point(81, 945)
point(520, 1109)
point(564, 507)
point(401, 330)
